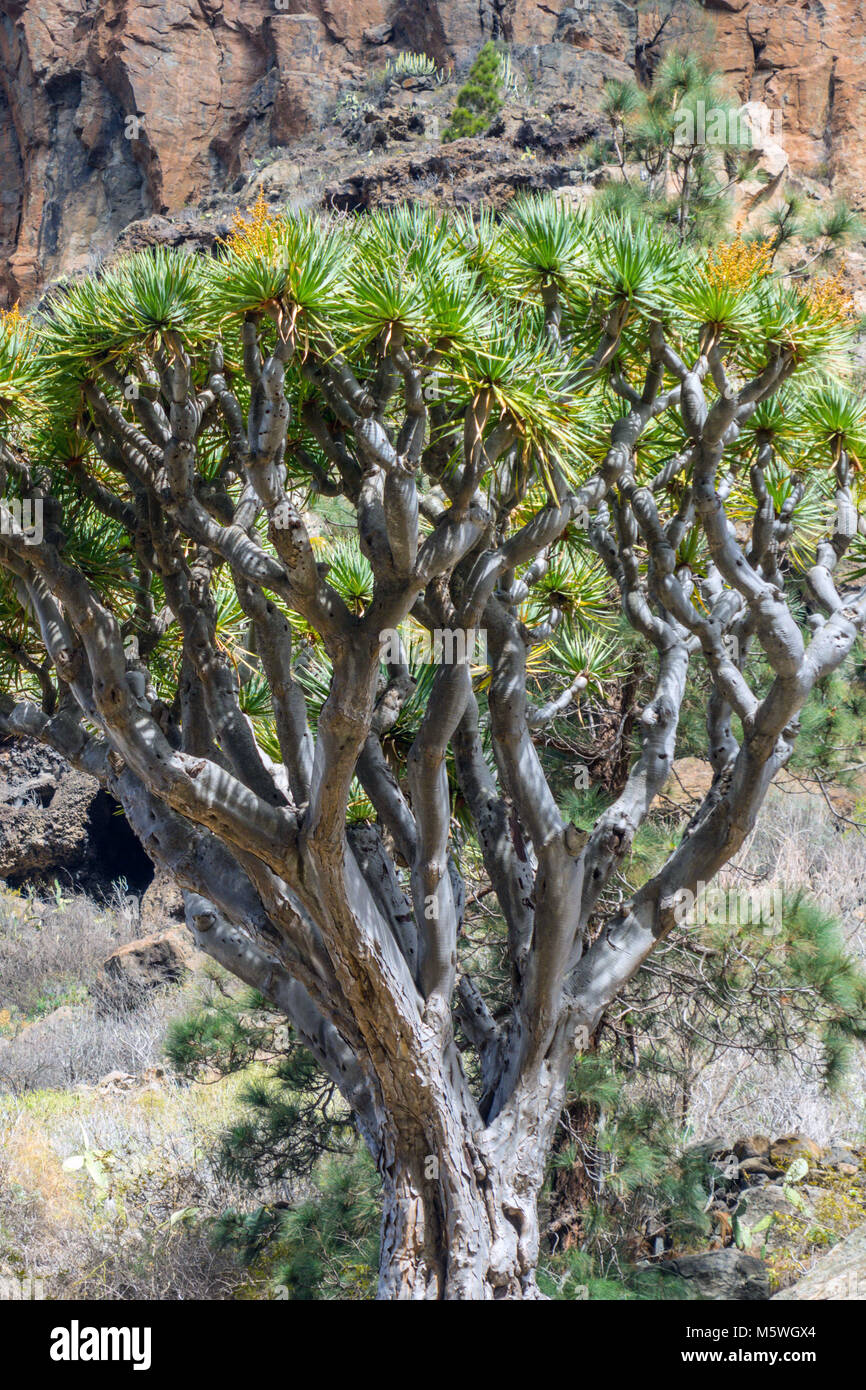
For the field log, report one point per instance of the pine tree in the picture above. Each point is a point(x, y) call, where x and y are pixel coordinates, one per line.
point(480, 98)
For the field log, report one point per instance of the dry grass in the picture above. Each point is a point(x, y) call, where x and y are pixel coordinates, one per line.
point(51, 1033)
point(132, 1222)
point(129, 1219)
point(76, 1044)
point(51, 949)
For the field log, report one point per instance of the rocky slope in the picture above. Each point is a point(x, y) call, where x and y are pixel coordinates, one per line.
point(57, 826)
point(120, 111)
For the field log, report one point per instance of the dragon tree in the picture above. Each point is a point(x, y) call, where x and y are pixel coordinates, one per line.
point(495, 417)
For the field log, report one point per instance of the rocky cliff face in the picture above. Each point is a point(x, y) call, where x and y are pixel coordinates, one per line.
point(120, 110)
point(806, 60)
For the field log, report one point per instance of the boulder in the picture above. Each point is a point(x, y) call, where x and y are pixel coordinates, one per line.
point(716, 1146)
point(135, 970)
point(729, 1275)
point(791, 1146)
point(117, 1081)
point(839, 1275)
point(843, 1159)
point(378, 34)
point(752, 1146)
point(278, 177)
point(193, 233)
point(758, 1167)
point(50, 1025)
point(758, 1216)
point(44, 812)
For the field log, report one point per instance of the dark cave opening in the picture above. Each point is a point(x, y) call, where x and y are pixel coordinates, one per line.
point(114, 851)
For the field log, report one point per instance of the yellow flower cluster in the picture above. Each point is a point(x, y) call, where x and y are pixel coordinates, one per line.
point(252, 231)
point(828, 298)
point(736, 264)
point(12, 319)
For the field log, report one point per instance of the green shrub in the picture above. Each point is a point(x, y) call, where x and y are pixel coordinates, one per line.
point(479, 98)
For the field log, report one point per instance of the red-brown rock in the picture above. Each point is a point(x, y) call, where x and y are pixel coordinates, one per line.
point(121, 111)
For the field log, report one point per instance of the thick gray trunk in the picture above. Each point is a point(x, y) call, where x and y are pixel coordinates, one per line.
point(474, 1240)
point(462, 1223)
